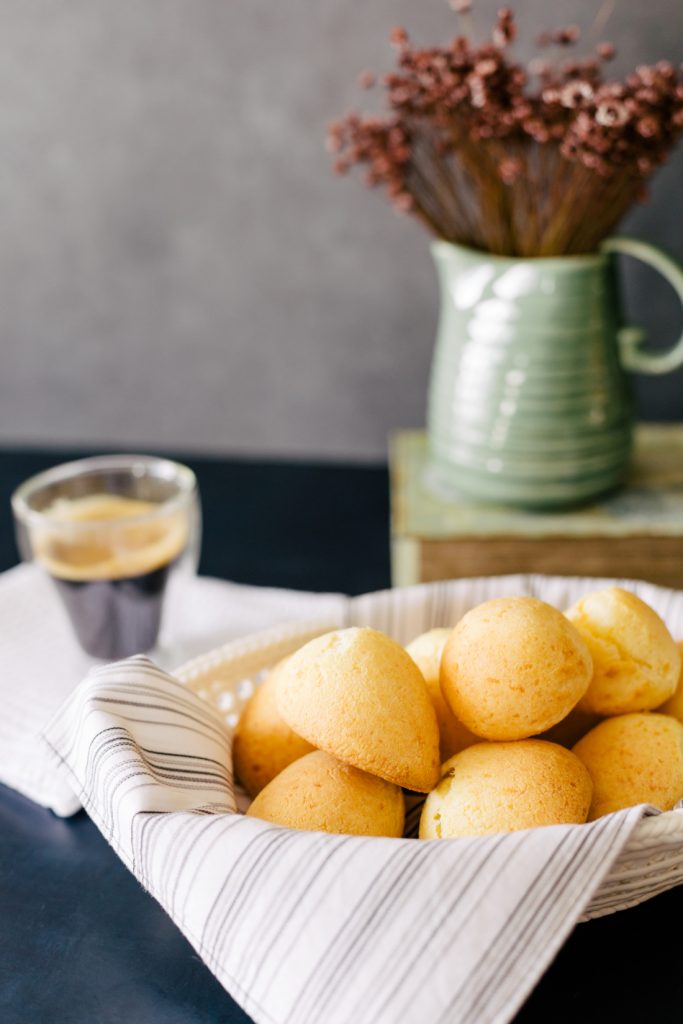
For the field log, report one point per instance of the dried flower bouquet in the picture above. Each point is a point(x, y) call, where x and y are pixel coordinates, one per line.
point(525, 161)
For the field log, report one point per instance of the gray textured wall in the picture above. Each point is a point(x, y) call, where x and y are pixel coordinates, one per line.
point(177, 266)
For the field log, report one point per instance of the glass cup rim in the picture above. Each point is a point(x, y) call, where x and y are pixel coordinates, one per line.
point(176, 472)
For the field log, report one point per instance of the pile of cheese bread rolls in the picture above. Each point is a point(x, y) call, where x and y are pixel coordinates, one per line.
point(519, 716)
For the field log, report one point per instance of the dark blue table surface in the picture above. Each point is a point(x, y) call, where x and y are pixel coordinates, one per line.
point(82, 943)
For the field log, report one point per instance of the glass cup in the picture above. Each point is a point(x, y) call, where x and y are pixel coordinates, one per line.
point(110, 531)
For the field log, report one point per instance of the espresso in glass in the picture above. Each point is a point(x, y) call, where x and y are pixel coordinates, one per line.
point(110, 532)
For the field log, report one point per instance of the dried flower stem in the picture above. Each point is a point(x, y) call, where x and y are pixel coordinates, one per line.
point(605, 12)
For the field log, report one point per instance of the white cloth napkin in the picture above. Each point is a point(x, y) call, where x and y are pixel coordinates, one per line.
point(303, 927)
point(40, 662)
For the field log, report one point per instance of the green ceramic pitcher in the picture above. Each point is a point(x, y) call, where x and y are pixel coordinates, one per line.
point(529, 401)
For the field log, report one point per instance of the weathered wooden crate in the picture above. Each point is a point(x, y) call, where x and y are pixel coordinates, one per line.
point(635, 533)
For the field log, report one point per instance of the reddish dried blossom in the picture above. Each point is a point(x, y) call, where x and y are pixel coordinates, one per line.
point(576, 93)
point(399, 38)
point(648, 127)
point(605, 51)
point(559, 37)
point(505, 30)
point(464, 122)
point(611, 113)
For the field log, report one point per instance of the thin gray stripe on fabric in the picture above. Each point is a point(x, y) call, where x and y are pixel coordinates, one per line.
point(436, 925)
point(521, 923)
point(366, 926)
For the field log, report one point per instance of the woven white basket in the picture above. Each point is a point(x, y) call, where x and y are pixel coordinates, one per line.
point(653, 860)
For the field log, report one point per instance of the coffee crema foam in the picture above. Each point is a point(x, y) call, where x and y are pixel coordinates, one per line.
point(108, 537)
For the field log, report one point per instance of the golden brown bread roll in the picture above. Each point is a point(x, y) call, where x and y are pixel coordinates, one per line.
point(320, 793)
point(358, 695)
point(504, 787)
point(634, 759)
point(674, 706)
point(426, 651)
point(263, 743)
point(636, 663)
point(513, 667)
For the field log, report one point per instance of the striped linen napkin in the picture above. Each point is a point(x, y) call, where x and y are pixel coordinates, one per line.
point(303, 927)
point(40, 662)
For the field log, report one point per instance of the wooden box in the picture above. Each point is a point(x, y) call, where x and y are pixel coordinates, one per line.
point(635, 533)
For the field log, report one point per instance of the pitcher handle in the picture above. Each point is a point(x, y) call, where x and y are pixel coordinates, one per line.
point(633, 356)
